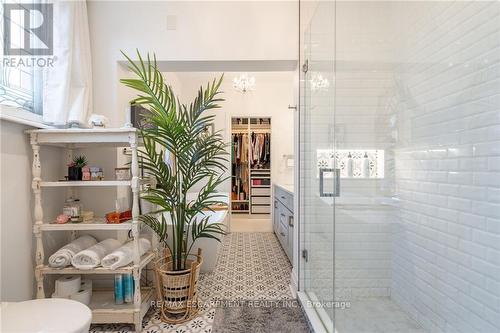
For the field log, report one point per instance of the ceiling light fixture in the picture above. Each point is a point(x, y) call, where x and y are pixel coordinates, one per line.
point(244, 83)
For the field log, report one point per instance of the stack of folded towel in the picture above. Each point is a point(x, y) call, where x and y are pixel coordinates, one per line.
point(124, 255)
point(91, 257)
point(86, 253)
point(63, 256)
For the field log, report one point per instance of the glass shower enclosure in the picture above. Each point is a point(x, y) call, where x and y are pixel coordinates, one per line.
point(399, 170)
point(318, 177)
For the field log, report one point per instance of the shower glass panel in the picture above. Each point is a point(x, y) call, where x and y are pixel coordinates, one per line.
point(317, 170)
point(417, 142)
point(401, 101)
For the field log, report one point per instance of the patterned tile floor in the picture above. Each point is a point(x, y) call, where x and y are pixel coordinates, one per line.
point(251, 266)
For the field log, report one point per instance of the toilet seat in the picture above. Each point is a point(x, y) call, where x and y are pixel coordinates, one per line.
point(48, 315)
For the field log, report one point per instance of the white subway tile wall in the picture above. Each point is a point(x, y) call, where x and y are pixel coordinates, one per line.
point(363, 111)
point(420, 81)
point(445, 268)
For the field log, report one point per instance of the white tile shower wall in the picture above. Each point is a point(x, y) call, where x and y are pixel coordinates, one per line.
point(363, 232)
point(362, 251)
point(446, 252)
point(363, 86)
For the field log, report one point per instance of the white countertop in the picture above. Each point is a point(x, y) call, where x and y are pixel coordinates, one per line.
point(287, 187)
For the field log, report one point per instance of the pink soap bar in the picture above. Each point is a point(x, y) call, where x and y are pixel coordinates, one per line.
point(61, 219)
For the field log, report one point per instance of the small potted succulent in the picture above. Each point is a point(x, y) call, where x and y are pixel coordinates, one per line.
point(75, 168)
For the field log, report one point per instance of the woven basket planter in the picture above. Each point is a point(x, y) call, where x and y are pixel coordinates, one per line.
point(178, 290)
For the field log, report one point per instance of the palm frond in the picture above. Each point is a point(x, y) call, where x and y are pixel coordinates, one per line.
point(198, 157)
point(159, 227)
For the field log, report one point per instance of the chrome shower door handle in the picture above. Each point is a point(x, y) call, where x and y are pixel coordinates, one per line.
point(336, 182)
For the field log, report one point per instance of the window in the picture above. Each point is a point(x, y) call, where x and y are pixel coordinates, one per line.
point(20, 86)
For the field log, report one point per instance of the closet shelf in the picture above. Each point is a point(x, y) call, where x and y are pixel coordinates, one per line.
point(261, 186)
point(104, 309)
point(94, 224)
point(146, 258)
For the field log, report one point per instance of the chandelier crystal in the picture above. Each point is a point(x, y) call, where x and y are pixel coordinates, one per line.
point(244, 83)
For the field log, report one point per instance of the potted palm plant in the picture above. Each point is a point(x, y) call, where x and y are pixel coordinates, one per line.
point(195, 157)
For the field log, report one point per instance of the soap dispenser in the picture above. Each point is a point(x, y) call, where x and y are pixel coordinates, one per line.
point(365, 166)
point(349, 165)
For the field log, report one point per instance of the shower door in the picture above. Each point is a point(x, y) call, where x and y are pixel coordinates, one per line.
point(319, 184)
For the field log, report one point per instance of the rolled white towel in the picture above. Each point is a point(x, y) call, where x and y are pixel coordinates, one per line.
point(91, 257)
point(62, 257)
point(125, 254)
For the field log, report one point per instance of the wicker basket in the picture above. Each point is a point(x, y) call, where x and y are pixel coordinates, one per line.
point(177, 290)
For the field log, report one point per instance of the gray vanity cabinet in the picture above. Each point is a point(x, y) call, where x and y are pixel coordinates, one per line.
point(283, 222)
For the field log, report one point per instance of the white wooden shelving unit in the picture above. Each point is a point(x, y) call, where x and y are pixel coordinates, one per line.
point(104, 309)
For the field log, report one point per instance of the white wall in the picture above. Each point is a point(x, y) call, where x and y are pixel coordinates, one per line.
point(273, 93)
point(205, 30)
point(16, 223)
point(446, 255)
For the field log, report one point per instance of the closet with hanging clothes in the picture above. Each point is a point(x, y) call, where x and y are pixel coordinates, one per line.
point(251, 165)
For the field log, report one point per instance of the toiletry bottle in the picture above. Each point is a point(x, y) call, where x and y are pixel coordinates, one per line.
point(349, 165)
point(118, 289)
point(365, 166)
point(128, 288)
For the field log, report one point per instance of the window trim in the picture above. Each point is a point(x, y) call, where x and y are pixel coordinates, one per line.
point(22, 116)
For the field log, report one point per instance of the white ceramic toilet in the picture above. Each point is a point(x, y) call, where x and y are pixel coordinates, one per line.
point(48, 315)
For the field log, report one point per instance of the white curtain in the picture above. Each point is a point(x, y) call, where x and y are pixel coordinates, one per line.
point(67, 91)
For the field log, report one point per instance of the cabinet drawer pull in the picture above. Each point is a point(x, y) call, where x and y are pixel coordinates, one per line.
point(282, 233)
point(290, 221)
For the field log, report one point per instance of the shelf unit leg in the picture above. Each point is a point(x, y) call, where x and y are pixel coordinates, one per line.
point(135, 194)
point(36, 171)
point(137, 286)
point(135, 233)
point(40, 291)
point(138, 322)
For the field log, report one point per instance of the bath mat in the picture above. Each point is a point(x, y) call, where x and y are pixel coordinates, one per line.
point(260, 317)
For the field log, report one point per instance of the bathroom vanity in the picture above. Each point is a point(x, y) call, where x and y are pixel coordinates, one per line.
point(283, 223)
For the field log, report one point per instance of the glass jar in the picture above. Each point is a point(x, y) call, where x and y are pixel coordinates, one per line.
point(73, 208)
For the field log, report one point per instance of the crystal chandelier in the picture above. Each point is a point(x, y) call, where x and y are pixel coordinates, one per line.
point(244, 83)
point(318, 82)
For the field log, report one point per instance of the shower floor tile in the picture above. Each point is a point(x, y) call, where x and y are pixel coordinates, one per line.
point(375, 315)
